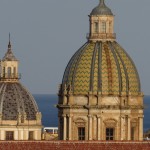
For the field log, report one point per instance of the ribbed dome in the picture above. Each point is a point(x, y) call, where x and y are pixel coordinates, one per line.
point(101, 9)
point(14, 100)
point(102, 67)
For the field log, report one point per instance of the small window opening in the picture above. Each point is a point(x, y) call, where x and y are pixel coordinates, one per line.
point(81, 133)
point(109, 134)
point(14, 72)
point(103, 27)
point(124, 102)
point(132, 133)
point(31, 135)
point(9, 71)
point(96, 27)
point(110, 27)
point(9, 135)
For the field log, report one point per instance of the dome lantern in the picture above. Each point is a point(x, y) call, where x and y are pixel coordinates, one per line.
point(101, 23)
point(9, 66)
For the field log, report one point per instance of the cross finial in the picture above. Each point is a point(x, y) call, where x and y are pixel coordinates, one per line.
point(9, 45)
point(102, 2)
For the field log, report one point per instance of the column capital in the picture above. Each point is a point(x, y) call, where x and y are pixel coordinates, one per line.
point(141, 116)
point(89, 116)
point(98, 116)
point(70, 115)
point(63, 115)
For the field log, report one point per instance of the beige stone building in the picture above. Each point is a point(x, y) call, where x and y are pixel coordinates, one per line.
point(20, 118)
point(100, 96)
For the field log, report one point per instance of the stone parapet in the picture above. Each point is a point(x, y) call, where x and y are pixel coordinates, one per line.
point(71, 145)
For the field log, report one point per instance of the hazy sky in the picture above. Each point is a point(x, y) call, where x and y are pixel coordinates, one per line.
point(46, 33)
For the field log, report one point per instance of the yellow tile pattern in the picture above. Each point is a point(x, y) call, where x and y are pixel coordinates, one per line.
point(118, 73)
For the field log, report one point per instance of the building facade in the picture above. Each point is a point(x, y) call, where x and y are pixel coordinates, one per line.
point(100, 96)
point(20, 118)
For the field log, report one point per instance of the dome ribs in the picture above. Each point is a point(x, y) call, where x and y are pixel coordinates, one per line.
point(9, 104)
point(118, 67)
point(93, 67)
point(82, 50)
point(124, 68)
point(80, 74)
point(99, 67)
point(134, 80)
point(109, 68)
point(69, 66)
point(20, 103)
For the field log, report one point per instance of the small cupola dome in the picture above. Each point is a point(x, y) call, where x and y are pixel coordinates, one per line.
point(101, 9)
point(9, 56)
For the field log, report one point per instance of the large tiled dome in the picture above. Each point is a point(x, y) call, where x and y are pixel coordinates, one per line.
point(102, 67)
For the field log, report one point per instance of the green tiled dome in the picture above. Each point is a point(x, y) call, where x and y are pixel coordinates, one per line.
point(101, 67)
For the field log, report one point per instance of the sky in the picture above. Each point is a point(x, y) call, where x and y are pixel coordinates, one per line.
point(46, 33)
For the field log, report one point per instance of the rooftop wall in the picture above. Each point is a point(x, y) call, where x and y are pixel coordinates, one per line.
point(74, 145)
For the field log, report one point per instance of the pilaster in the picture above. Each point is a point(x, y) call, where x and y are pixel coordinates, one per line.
point(64, 127)
point(98, 127)
point(140, 128)
point(90, 127)
point(70, 127)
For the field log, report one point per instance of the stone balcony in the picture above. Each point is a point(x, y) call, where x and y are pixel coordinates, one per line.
point(10, 76)
point(100, 36)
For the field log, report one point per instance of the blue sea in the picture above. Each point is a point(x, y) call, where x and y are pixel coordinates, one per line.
point(47, 106)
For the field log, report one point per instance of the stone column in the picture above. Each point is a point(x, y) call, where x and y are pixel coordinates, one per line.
point(90, 127)
point(70, 127)
point(16, 136)
point(140, 128)
point(64, 127)
point(36, 135)
point(58, 127)
point(107, 27)
point(20, 132)
point(98, 127)
point(129, 129)
point(26, 134)
point(121, 128)
point(3, 135)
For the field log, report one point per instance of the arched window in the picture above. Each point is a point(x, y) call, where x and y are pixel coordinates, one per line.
point(103, 27)
point(14, 72)
point(110, 26)
point(4, 71)
point(9, 71)
point(96, 27)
